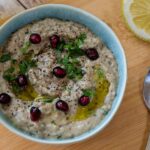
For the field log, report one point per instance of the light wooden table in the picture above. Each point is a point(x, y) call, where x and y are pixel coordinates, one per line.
point(129, 129)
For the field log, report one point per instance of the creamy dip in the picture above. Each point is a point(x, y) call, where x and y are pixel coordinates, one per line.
point(52, 60)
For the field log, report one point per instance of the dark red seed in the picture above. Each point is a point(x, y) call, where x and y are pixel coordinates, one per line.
point(62, 105)
point(84, 100)
point(54, 40)
point(22, 80)
point(4, 98)
point(35, 113)
point(92, 53)
point(35, 38)
point(59, 72)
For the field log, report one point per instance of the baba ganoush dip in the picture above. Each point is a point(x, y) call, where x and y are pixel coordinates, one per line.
point(58, 80)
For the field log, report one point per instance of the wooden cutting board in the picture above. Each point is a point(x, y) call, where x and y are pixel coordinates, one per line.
point(129, 128)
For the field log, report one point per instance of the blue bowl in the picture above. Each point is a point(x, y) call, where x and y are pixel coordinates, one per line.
point(99, 28)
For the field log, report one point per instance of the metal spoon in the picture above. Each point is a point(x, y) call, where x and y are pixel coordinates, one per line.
point(146, 96)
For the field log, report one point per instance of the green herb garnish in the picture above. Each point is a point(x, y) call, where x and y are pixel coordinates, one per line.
point(15, 87)
point(48, 100)
point(10, 70)
point(72, 67)
point(25, 47)
point(60, 46)
point(25, 65)
point(5, 57)
point(73, 47)
point(89, 92)
point(45, 99)
point(70, 62)
point(100, 73)
point(13, 61)
point(8, 76)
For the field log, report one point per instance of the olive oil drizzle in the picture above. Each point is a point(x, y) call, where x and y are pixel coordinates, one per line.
point(27, 94)
point(102, 88)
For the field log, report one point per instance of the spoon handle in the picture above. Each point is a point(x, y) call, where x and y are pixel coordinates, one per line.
point(148, 144)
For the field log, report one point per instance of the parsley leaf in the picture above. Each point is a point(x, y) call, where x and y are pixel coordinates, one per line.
point(82, 37)
point(72, 67)
point(58, 55)
point(32, 63)
point(70, 62)
point(10, 70)
point(80, 40)
point(15, 87)
point(73, 47)
point(48, 100)
point(60, 46)
point(8, 76)
point(13, 61)
point(25, 47)
point(25, 65)
point(74, 50)
point(100, 73)
point(89, 92)
point(5, 57)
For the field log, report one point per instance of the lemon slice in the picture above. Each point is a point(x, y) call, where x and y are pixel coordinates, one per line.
point(137, 16)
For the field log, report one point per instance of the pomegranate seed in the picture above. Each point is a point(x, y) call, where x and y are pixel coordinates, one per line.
point(54, 40)
point(62, 105)
point(22, 80)
point(92, 53)
point(35, 38)
point(84, 100)
point(59, 72)
point(4, 98)
point(35, 113)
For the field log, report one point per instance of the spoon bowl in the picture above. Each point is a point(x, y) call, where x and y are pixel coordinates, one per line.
point(146, 90)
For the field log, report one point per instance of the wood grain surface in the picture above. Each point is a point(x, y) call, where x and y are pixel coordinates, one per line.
point(130, 127)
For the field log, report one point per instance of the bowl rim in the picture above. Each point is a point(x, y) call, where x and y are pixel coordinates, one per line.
point(97, 128)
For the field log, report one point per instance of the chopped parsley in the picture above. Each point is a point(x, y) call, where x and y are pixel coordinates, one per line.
point(11, 73)
point(72, 67)
point(5, 57)
point(45, 99)
point(25, 65)
point(100, 74)
point(48, 100)
point(89, 92)
point(15, 87)
point(10, 70)
point(8, 76)
point(60, 46)
point(73, 47)
point(25, 47)
point(70, 62)
point(13, 61)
